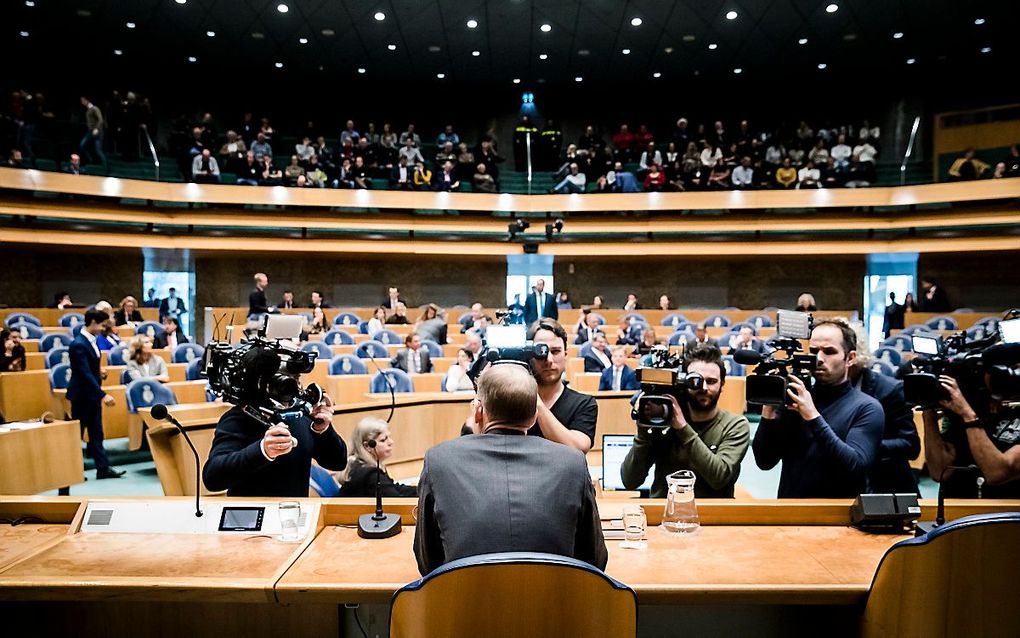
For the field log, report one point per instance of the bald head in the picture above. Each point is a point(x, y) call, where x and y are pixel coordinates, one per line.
point(507, 397)
point(261, 280)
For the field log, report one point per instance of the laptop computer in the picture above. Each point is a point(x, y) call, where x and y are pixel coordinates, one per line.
point(614, 450)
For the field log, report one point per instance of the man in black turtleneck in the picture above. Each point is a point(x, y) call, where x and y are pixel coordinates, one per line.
point(827, 437)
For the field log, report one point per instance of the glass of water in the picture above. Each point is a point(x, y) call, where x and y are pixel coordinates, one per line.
point(290, 516)
point(634, 525)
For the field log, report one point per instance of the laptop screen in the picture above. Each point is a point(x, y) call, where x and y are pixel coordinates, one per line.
point(614, 450)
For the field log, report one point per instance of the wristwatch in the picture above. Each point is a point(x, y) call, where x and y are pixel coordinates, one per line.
point(976, 423)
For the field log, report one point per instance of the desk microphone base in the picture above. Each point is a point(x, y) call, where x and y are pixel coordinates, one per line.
point(371, 527)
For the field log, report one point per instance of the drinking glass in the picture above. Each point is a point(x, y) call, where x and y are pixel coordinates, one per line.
point(634, 524)
point(290, 516)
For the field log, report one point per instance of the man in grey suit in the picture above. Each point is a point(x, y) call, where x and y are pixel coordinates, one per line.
point(503, 491)
point(413, 359)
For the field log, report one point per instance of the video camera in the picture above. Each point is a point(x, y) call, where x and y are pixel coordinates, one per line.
point(260, 375)
point(984, 368)
point(662, 378)
point(768, 383)
point(507, 344)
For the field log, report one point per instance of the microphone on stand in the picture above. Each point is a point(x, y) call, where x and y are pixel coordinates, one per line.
point(380, 524)
point(160, 413)
point(940, 512)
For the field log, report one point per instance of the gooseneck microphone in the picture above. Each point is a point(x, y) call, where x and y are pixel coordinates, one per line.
point(940, 511)
point(380, 524)
point(160, 413)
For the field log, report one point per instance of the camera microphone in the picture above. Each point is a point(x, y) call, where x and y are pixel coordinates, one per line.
point(747, 357)
point(160, 413)
point(1003, 354)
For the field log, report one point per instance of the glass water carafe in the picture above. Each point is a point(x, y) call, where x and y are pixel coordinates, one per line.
point(681, 515)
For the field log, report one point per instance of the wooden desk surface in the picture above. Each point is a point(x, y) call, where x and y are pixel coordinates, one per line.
point(19, 541)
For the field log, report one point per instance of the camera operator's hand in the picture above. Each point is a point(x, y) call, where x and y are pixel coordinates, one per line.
point(277, 441)
point(800, 399)
point(322, 414)
point(956, 402)
point(679, 422)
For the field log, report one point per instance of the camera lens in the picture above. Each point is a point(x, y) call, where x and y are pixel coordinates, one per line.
point(282, 389)
point(654, 411)
point(1004, 382)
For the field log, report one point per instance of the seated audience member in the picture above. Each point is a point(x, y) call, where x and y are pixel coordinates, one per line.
point(619, 180)
point(664, 303)
point(412, 359)
point(13, 358)
point(487, 155)
point(1000, 171)
point(563, 301)
point(261, 148)
point(587, 328)
point(466, 509)
point(632, 303)
point(359, 171)
point(466, 160)
point(598, 357)
point(719, 176)
point(619, 375)
point(966, 167)
point(819, 155)
point(399, 316)
point(786, 174)
point(345, 175)
point(809, 176)
point(457, 379)
point(205, 169)
point(627, 333)
point(410, 136)
point(701, 338)
point(482, 181)
point(745, 340)
point(318, 324)
point(409, 151)
point(128, 314)
point(288, 300)
point(304, 149)
point(422, 177)
point(246, 459)
point(648, 341)
point(142, 364)
point(74, 166)
point(316, 300)
point(316, 175)
point(649, 157)
point(471, 320)
point(574, 182)
point(15, 159)
point(376, 323)
point(172, 335)
point(743, 175)
point(366, 466)
point(431, 325)
point(293, 171)
point(598, 303)
point(393, 299)
point(865, 153)
point(655, 180)
point(402, 175)
point(448, 136)
point(841, 153)
point(107, 338)
point(62, 300)
point(474, 343)
point(827, 438)
point(249, 172)
point(806, 303)
point(701, 437)
point(1012, 161)
point(447, 179)
point(270, 175)
point(445, 153)
point(233, 152)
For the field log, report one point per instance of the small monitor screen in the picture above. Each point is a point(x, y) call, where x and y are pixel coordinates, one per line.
point(923, 344)
point(505, 336)
point(1010, 331)
point(614, 450)
point(242, 519)
point(793, 324)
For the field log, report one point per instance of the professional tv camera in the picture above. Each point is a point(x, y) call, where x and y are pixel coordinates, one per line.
point(984, 368)
point(662, 378)
point(261, 374)
point(507, 344)
point(768, 383)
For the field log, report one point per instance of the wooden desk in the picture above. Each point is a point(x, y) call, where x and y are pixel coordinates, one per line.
point(41, 458)
point(24, 395)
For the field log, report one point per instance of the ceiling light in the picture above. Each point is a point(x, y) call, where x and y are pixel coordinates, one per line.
point(979, 21)
point(279, 65)
point(832, 8)
point(303, 40)
point(391, 47)
point(738, 71)
point(379, 16)
point(23, 34)
point(626, 51)
point(181, 1)
point(802, 41)
point(361, 70)
point(897, 35)
point(258, 35)
point(517, 80)
point(191, 58)
point(475, 54)
point(543, 56)
point(282, 8)
point(583, 52)
point(713, 46)
point(441, 75)
point(211, 34)
point(29, 3)
point(668, 49)
point(118, 52)
point(911, 60)
point(325, 32)
point(130, 25)
point(434, 48)
point(472, 23)
point(986, 50)
point(822, 66)
point(578, 79)
point(731, 15)
point(656, 75)
point(546, 28)
point(635, 22)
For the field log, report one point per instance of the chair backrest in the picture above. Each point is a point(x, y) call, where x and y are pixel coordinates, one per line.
point(75, 329)
point(149, 328)
point(143, 393)
point(125, 376)
point(679, 336)
point(953, 581)
point(371, 349)
point(917, 327)
point(882, 367)
point(509, 597)
point(733, 369)
point(322, 482)
point(56, 356)
point(735, 328)
point(60, 376)
point(435, 350)
point(363, 327)
point(400, 380)
point(194, 370)
point(22, 317)
point(760, 321)
point(717, 321)
point(964, 310)
point(992, 323)
point(115, 357)
point(338, 338)
point(892, 356)
point(54, 340)
point(27, 330)
point(319, 347)
point(636, 316)
point(463, 316)
point(584, 350)
point(388, 337)
point(71, 319)
point(601, 319)
point(900, 343)
point(346, 319)
point(347, 364)
point(187, 352)
point(673, 319)
point(942, 323)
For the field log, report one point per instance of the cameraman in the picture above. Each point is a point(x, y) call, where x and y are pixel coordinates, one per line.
point(712, 444)
point(991, 441)
point(564, 415)
point(246, 459)
point(826, 450)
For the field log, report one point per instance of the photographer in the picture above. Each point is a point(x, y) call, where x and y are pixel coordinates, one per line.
point(711, 443)
point(826, 437)
point(990, 440)
point(564, 415)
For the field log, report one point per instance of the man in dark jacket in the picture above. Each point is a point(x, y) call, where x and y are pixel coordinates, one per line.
point(891, 473)
point(257, 303)
point(85, 390)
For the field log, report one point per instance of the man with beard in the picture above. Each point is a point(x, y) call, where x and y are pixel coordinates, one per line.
point(706, 440)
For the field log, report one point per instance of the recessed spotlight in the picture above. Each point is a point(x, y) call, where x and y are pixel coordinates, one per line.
point(583, 52)
point(545, 28)
point(635, 22)
point(578, 79)
point(986, 49)
point(23, 34)
point(656, 75)
point(303, 40)
point(391, 47)
point(625, 52)
point(898, 35)
point(210, 34)
point(475, 54)
point(379, 16)
point(911, 60)
point(822, 66)
point(130, 25)
point(279, 65)
point(832, 8)
point(849, 37)
point(362, 70)
point(282, 8)
point(731, 15)
point(441, 76)
point(738, 71)
point(29, 3)
point(979, 21)
point(181, 1)
point(191, 58)
point(434, 48)
point(669, 49)
point(326, 32)
point(517, 80)
point(472, 23)
point(713, 46)
point(543, 56)
point(802, 41)
point(118, 52)
point(258, 35)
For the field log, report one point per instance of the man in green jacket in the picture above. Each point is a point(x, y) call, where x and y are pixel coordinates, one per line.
point(708, 441)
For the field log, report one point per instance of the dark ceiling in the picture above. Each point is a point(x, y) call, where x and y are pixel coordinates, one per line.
point(587, 39)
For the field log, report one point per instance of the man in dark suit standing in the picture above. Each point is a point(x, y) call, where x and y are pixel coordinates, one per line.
point(413, 359)
point(540, 305)
point(172, 306)
point(172, 335)
point(85, 390)
point(894, 315)
point(151, 300)
point(392, 299)
point(933, 298)
point(619, 376)
point(541, 492)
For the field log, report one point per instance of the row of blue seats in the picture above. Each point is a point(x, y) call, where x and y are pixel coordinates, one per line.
point(184, 353)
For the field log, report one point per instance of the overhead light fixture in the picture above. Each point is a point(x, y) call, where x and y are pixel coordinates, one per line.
point(327, 32)
point(583, 52)
point(23, 34)
point(822, 66)
point(379, 16)
point(441, 76)
point(656, 75)
point(802, 41)
point(29, 3)
point(472, 23)
point(626, 51)
point(543, 56)
point(517, 226)
point(258, 35)
point(282, 8)
point(181, 1)
point(979, 21)
point(986, 49)
point(517, 80)
point(578, 79)
point(192, 58)
point(434, 48)
point(475, 54)
point(279, 65)
point(911, 60)
point(635, 22)
point(118, 52)
point(897, 35)
point(362, 70)
point(554, 228)
point(731, 15)
point(545, 28)
point(738, 71)
point(130, 25)
point(713, 46)
point(668, 49)
point(832, 8)
point(303, 40)
point(210, 34)
point(391, 47)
